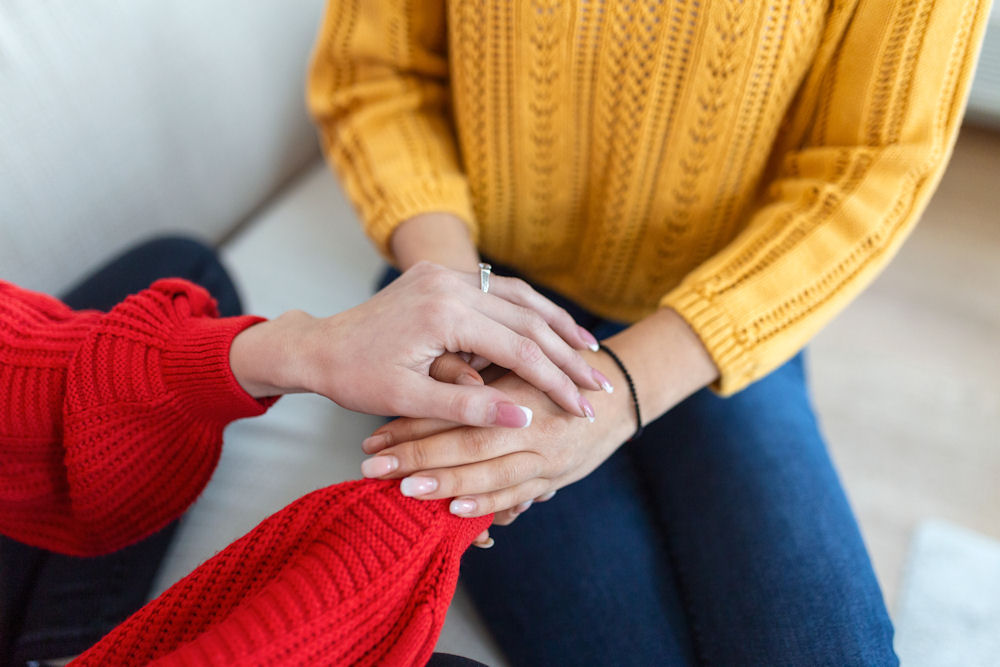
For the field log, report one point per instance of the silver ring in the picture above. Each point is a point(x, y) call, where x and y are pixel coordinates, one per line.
point(484, 276)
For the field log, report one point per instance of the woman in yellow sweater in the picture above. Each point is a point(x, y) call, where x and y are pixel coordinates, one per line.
point(705, 185)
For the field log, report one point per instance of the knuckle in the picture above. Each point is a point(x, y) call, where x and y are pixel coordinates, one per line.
point(436, 310)
point(506, 474)
point(476, 443)
point(532, 322)
point(433, 278)
point(423, 266)
point(453, 482)
point(521, 287)
point(529, 352)
point(463, 407)
point(414, 457)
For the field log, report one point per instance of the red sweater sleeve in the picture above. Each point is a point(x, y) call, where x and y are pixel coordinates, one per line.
point(111, 423)
point(353, 574)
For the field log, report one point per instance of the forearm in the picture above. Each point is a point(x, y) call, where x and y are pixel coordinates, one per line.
point(442, 238)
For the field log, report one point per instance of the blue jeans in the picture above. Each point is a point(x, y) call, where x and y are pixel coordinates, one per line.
point(720, 537)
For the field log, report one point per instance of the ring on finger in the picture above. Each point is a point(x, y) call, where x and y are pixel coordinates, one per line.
point(484, 276)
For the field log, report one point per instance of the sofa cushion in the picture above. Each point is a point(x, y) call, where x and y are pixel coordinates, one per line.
point(120, 119)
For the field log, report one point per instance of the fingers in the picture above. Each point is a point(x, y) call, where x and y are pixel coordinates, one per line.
point(452, 368)
point(531, 324)
point(521, 293)
point(524, 356)
point(480, 479)
point(483, 540)
point(420, 396)
point(458, 448)
point(507, 503)
point(507, 517)
point(404, 429)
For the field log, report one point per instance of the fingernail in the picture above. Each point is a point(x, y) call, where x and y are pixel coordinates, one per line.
point(602, 380)
point(589, 338)
point(509, 414)
point(379, 465)
point(485, 545)
point(523, 507)
point(462, 506)
point(374, 443)
point(469, 379)
point(548, 496)
point(418, 486)
point(588, 409)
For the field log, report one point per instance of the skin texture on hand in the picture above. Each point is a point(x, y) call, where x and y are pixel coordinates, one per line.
point(495, 470)
point(377, 357)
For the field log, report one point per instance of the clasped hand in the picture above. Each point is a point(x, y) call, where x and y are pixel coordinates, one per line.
point(386, 355)
point(498, 470)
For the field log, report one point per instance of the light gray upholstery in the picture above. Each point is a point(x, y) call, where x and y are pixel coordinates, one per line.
point(123, 117)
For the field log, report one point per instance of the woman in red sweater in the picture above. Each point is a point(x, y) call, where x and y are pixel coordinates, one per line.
point(111, 423)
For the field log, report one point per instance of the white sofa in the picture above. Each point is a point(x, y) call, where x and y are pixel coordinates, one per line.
point(120, 120)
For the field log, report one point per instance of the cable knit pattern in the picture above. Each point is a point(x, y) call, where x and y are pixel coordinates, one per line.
point(111, 423)
point(353, 574)
point(752, 165)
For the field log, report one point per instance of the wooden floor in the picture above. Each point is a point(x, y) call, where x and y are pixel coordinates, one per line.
point(907, 380)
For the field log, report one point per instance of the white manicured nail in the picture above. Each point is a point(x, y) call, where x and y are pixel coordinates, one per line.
point(462, 506)
point(418, 486)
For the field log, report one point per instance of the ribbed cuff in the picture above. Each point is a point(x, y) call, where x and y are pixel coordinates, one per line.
point(726, 343)
point(448, 196)
point(195, 366)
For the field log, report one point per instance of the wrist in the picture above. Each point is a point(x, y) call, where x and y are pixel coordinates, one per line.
point(266, 358)
point(666, 359)
point(441, 238)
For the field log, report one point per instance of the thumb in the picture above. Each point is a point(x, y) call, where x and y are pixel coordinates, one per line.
point(450, 367)
point(479, 405)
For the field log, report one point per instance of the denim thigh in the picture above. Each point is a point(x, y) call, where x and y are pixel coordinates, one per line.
point(583, 579)
point(768, 556)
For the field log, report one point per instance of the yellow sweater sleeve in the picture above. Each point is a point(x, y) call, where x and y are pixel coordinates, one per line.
point(378, 90)
point(874, 125)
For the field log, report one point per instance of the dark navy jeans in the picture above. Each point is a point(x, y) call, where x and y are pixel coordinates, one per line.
point(721, 537)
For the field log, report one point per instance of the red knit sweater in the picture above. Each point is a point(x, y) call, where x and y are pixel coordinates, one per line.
point(111, 425)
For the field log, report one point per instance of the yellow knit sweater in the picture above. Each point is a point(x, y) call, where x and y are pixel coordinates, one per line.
point(750, 163)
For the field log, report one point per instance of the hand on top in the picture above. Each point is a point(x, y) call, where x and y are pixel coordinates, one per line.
point(379, 356)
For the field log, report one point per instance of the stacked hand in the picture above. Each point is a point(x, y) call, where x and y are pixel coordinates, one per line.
point(385, 355)
point(503, 470)
point(497, 470)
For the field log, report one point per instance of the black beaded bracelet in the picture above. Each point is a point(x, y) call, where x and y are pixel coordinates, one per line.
point(631, 388)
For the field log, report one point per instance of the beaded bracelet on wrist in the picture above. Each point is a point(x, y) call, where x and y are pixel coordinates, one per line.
point(631, 387)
